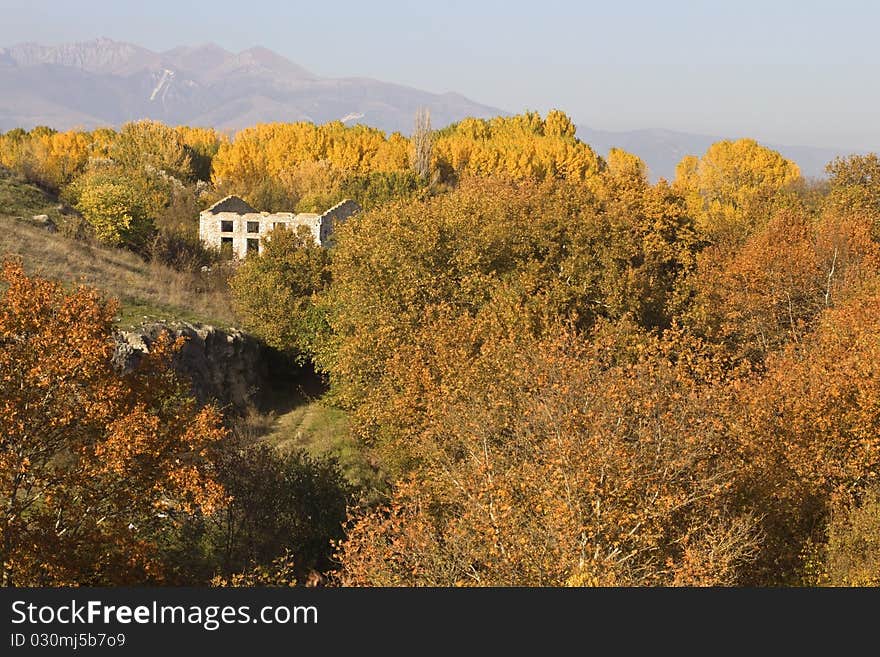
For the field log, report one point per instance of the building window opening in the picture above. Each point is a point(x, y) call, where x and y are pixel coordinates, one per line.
point(253, 245)
point(253, 226)
point(226, 226)
point(226, 247)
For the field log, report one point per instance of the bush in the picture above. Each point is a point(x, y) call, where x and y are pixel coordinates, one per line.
point(282, 504)
point(273, 292)
point(181, 252)
point(853, 550)
point(375, 189)
point(119, 205)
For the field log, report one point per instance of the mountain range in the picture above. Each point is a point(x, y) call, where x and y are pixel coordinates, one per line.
point(106, 82)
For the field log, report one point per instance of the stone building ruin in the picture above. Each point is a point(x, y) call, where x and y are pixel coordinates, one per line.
point(231, 224)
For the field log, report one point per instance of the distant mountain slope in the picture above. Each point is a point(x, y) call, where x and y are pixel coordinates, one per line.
point(662, 150)
point(106, 82)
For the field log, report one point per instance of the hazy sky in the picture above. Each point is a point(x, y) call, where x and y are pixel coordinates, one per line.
point(801, 72)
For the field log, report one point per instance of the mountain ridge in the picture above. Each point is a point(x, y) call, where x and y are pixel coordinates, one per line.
point(106, 82)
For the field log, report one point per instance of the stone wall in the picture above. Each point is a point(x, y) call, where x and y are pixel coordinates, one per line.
point(211, 233)
point(337, 214)
point(235, 214)
point(227, 366)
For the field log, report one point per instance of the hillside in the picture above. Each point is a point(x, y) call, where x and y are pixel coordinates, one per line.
point(21, 199)
point(147, 291)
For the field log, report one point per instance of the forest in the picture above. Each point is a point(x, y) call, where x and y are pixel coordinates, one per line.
point(554, 370)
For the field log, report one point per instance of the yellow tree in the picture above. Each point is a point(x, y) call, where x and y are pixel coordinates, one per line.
point(152, 146)
point(518, 147)
point(732, 187)
point(202, 145)
point(558, 124)
point(47, 157)
point(119, 205)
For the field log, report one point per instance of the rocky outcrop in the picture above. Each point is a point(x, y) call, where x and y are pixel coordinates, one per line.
point(228, 366)
point(44, 222)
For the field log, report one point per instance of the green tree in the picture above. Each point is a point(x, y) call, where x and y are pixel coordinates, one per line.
point(120, 206)
point(274, 292)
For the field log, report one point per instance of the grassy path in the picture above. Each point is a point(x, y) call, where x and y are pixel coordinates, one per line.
point(321, 430)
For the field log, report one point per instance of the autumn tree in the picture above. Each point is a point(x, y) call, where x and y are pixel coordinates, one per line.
point(807, 431)
point(93, 463)
point(47, 157)
point(494, 435)
point(626, 169)
point(264, 163)
point(120, 205)
point(752, 300)
point(555, 245)
point(390, 265)
point(102, 140)
point(855, 187)
point(550, 462)
point(201, 144)
point(559, 124)
point(731, 188)
point(152, 146)
point(851, 556)
point(273, 292)
point(374, 189)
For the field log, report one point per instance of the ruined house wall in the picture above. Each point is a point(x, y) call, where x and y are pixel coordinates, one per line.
point(231, 204)
point(337, 214)
point(211, 228)
point(225, 365)
point(234, 215)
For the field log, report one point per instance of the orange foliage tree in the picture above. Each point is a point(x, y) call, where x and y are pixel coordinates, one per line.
point(809, 433)
point(551, 462)
point(754, 299)
point(92, 462)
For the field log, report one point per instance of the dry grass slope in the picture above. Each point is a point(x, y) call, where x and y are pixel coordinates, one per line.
point(147, 291)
